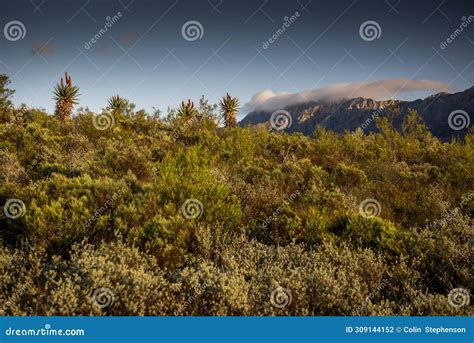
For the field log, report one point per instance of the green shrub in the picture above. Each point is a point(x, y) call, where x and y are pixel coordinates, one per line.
point(104, 211)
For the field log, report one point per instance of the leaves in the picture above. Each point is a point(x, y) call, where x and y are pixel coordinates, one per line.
point(278, 210)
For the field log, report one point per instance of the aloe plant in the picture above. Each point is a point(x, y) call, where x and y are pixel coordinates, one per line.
point(66, 96)
point(229, 108)
point(116, 104)
point(187, 110)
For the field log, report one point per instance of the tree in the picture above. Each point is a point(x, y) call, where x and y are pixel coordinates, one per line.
point(412, 123)
point(229, 107)
point(66, 96)
point(5, 92)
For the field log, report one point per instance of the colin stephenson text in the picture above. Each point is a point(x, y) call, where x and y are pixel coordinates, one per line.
point(435, 330)
point(405, 329)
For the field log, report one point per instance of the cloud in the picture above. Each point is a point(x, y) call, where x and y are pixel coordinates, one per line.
point(268, 100)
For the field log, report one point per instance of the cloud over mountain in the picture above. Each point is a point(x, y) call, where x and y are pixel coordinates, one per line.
point(269, 100)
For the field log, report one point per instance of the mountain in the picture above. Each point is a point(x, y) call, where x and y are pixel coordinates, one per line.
point(350, 114)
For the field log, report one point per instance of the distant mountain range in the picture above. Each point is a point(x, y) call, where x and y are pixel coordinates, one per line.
point(446, 115)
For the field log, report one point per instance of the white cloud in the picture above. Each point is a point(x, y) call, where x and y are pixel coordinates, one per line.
point(268, 100)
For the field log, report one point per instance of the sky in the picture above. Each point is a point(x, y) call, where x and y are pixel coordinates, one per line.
point(148, 56)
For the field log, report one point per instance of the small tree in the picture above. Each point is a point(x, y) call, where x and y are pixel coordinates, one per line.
point(66, 96)
point(229, 107)
point(5, 92)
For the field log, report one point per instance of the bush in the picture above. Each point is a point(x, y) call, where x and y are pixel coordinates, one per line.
point(108, 212)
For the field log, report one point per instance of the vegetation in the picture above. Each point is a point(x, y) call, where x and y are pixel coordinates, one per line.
point(187, 110)
point(5, 92)
point(229, 108)
point(176, 217)
point(66, 96)
point(116, 104)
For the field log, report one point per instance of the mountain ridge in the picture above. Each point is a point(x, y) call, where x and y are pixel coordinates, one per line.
point(348, 114)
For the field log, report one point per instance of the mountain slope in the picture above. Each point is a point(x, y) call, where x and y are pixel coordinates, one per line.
point(350, 114)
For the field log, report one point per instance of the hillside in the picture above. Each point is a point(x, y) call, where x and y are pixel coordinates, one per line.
point(350, 114)
point(122, 213)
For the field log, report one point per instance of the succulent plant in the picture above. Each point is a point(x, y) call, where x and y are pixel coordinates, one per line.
point(187, 110)
point(229, 108)
point(66, 96)
point(116, 104)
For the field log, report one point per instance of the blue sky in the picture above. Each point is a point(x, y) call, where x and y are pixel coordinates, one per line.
point(143, 56)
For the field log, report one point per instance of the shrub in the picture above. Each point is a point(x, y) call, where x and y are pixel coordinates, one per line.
point(273, 212)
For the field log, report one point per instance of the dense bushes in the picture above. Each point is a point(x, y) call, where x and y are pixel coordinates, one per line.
point(105, 211)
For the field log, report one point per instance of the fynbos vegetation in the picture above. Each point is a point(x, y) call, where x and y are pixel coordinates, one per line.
point(173, 216)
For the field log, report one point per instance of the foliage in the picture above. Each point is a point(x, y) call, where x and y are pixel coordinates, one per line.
point(104, 209)
point(5, 92)
point(65, 95)
point(117, 104)
point(187, 110)
point(229, 107)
